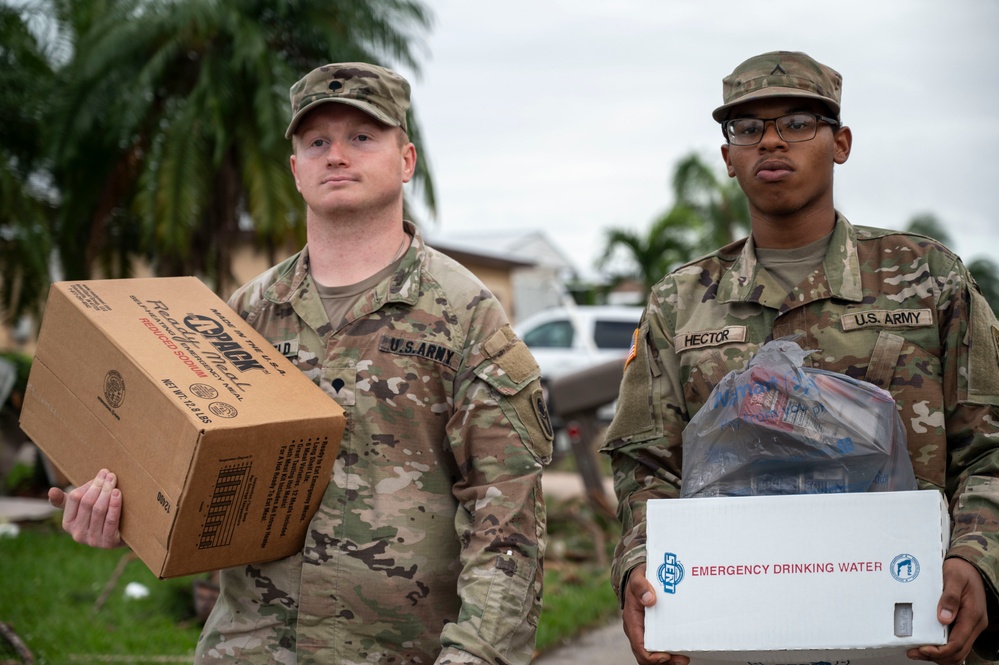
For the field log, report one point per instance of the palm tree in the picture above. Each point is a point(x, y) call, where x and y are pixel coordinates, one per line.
point(670, 240)
point(708, 212)
point(25, 211)
point(718, 201)
point(170, 131)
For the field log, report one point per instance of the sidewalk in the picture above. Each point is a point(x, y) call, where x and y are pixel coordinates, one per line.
point(602, 645)
point(566, 485)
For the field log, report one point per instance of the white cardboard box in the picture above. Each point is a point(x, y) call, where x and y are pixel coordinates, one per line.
point(796, 579)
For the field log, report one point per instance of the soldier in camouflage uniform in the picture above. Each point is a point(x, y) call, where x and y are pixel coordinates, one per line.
point(429, 543)
point(896, 309)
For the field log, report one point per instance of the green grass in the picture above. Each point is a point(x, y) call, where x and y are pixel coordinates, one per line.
point(578, 594)
point(575, 599)
point(50, 585)
point(49, 593)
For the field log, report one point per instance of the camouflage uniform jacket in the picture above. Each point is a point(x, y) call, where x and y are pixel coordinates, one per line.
point(900, 299)
point(429, 543)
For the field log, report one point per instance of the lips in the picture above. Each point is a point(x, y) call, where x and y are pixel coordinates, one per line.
point(773, 169)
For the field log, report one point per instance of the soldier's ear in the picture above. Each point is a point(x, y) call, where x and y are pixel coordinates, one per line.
point(728, 162)
point(843, 139)
point(408, 162)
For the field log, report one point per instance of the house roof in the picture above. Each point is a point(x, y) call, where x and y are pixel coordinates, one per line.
point(468, 254)
point(524, 244)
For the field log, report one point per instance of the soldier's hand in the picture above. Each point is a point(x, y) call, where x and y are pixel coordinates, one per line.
point(638, 595)
point(91, 512)
point(962, 606)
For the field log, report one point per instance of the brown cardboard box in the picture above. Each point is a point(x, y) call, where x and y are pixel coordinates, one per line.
point(222, 447)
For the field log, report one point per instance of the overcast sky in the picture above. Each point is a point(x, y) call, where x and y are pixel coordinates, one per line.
point(569, 115)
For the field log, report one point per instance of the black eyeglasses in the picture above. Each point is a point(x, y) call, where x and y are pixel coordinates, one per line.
point(793, 128)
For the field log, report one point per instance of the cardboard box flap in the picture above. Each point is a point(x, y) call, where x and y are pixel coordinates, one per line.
point(203, 351)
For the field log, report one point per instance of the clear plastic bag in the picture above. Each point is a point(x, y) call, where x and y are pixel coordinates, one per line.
point(777, 427)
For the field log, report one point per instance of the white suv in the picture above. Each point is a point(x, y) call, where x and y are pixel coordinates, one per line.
point(569, 339)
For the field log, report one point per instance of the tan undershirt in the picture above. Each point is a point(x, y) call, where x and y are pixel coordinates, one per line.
point(789, 266)
point(340, 300)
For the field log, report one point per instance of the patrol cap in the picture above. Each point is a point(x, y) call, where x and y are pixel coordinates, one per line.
point(379, 92)
point(780, 74)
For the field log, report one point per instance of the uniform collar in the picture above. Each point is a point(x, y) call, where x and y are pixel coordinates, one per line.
point(296, 285)
point(840, 279)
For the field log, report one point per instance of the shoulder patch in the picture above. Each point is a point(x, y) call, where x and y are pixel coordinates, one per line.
point(541, 414)
point(983, 363)
point(511, 355)
point(403, 346)
point(633, 351)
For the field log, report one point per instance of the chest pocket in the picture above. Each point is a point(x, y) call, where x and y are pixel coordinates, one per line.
point(884, 358)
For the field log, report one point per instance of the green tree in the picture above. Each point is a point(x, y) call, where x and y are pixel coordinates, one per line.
point(25, 211)
point(718, 201)
point(986, 274)
point(929, 225)
point(708, 212)
point(670, 240)
point(170, 116)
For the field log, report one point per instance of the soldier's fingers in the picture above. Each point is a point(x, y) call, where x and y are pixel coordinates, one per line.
point(947, 655)
point(956, 575)
point(71, 507)
point(640, 588)
point(96, 536)
point(57, 498)
point(109, 533)
point(639, 594)
point(963, 605)
point(84, 498)
point(88, 497)
point(963, 633)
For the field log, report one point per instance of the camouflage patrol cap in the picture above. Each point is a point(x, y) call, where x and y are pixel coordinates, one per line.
point(780, 74)
point(377, 91)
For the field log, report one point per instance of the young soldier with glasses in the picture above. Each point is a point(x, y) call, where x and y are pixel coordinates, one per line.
point(805, 270)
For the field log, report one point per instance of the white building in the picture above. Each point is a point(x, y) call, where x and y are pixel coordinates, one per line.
point(541, 282)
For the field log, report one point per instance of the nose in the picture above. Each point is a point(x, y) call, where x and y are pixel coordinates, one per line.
point(335, 154)
point(768, 136)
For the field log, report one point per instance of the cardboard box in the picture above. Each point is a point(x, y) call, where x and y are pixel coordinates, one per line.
point(223, 449)
point(797, 579)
